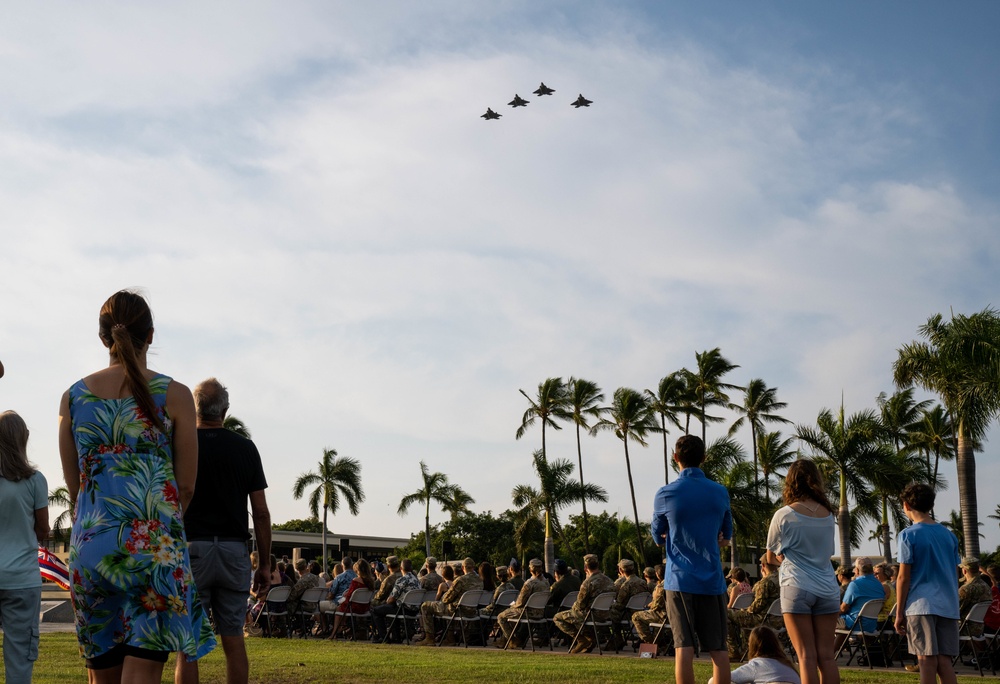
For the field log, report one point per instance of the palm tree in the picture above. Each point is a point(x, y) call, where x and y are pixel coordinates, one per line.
point(582, 399)
point(934, 434)
point(773, 454)
point(236, 425)
point(435, 488)
point(458, 503)
point(888, 478)
point(549, 405)
point(630, 418)
point(557, 490)
point(668, 402)
point(335, 478)
point(851, 446)
point(760, 403)
point(706, 385)
point(725, 463)
point(957, 526)
point(60, 497)
point(961, 363)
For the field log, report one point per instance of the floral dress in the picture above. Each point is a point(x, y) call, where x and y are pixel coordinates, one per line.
point(131, 572)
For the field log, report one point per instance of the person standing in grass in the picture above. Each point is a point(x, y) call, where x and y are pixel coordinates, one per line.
point(24, 510)
point(801, 540)
point(927, 588)
point(692, 520)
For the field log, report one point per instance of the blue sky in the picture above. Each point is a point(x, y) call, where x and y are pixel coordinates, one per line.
point(320, 218)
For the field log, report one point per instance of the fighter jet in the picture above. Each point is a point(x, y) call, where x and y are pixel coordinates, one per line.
point(581, 102)
point(490, 114)
point(544, 90)
point(518, 101)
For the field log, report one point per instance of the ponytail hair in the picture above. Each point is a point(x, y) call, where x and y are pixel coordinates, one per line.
point(125, 324)
point(804, 481)
point(14, 464)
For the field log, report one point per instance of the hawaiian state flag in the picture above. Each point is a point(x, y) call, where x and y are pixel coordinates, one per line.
point(53, 569)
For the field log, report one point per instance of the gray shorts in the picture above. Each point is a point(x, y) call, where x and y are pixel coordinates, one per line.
point(701, 614)
point(801, 602)
point(222, 574)
point(930, 635)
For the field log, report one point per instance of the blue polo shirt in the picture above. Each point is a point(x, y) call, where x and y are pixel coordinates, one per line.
point(860, 591)
point(688, 515)
point(931, 551)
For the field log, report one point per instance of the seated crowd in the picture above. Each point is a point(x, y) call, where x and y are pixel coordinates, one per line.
point(390, 582)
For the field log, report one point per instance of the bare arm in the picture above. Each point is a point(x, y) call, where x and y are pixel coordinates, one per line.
point(41, 523)
point(67, 452)
point(774, 559)
point(262, 532)
point(180, 408)
point(902, 590)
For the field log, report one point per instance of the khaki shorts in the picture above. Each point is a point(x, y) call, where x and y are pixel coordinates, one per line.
point(931, 635)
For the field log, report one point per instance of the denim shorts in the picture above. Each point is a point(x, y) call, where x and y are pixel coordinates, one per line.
point(801, 602)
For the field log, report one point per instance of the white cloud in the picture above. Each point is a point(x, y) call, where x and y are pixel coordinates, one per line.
point(322, 220)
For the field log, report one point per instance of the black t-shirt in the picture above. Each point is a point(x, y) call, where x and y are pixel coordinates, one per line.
point(229, 468)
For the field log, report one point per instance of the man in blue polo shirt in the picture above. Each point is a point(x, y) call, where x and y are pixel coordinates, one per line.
point(691, 520)
point(862, 589)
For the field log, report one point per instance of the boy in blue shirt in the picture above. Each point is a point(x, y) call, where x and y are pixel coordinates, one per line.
point(927, 588)
point(691, 520)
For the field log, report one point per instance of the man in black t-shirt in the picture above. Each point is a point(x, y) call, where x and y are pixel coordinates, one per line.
point(215, 522)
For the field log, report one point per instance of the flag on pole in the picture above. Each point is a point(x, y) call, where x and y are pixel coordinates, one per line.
point(53, 569)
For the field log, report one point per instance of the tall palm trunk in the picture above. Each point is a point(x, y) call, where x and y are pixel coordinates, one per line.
point(583, 500)
point(635, 509)
point(887, 550)
point(427, 528)
point(326, 507)
point(844, 521)
point(666, 455)
point(753, 439)
point(966, 461)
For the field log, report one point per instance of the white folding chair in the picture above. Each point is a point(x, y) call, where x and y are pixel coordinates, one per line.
point(602, 604)
point(625, 627)
point(869, 611)
point(275, 609)
point(307, 607)
point(536, 603)
point(975, 617)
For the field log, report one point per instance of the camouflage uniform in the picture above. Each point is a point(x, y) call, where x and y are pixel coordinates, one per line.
point(446, 606)
point(632, 585)
point(765, 592)
point(657, 612)
point(969, 594)
point(509, 617)
point(570, 621)
point(431, 581)
point(386, 588)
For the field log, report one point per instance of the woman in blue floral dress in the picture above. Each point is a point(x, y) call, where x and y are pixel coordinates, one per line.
point(129, 451)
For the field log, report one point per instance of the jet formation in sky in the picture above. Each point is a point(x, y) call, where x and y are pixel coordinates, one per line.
point(543, 89)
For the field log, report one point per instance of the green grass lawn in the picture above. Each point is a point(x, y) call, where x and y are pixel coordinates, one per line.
point(281, 661)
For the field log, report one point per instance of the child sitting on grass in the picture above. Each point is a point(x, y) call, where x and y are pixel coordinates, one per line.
point(768, 662)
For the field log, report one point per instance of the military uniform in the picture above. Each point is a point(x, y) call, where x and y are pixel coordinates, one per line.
point(570, 621)
point(431, 581)
point(633, 585)
point(656, 613)
point(509, 617)
point(969, 594)
point(446, 606)
point(385, 589)
point(765, 592)
point(558, 591)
